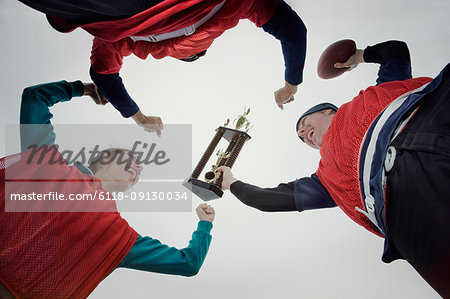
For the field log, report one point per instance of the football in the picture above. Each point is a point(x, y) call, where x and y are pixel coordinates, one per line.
point(339, 51)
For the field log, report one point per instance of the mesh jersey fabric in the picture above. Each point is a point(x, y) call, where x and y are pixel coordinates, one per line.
point(165, 16)
point(107, 57)
point(338, 167)
point(56, 254)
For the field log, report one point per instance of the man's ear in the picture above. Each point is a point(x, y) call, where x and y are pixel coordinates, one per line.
point(329, 111)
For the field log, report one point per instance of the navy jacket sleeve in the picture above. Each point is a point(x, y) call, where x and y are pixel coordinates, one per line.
point(310, 194)
point(303, 194)
point(286, 26)
point(112, 87)
point(278, 199)
point(394, 59)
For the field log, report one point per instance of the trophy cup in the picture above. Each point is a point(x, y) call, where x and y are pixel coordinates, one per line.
point(211, 189)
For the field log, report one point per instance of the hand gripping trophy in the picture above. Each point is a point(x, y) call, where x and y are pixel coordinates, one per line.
point(210, 188)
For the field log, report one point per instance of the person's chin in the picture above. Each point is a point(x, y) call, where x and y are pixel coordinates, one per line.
point(123, 186)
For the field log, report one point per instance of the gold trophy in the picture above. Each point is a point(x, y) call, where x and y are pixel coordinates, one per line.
point(211, 188)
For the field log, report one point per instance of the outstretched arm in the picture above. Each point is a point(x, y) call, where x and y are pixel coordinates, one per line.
point(278, 199)
point(303, 194)
point(151, 255)
point(393, 57)
point(286, 26)
point(106, 63)
point(35, 109)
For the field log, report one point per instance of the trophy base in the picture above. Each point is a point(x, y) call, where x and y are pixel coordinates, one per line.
point(202, 189)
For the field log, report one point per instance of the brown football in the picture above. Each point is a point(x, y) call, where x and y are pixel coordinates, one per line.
point(339, 51)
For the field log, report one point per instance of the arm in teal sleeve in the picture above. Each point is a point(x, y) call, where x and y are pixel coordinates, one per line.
point(151, 255)
point(36, 101)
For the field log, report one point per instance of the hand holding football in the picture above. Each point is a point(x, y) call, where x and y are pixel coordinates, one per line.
point(339, 51)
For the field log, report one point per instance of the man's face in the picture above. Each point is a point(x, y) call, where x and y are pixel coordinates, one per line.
point(119, 176)
point(312, 127)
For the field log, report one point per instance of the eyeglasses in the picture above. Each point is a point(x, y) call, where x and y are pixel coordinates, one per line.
point(193, 57)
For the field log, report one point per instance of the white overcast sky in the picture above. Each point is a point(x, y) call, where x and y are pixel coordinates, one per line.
point(318, 254)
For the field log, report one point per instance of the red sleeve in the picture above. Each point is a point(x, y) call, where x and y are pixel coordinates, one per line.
point(261, 11)
point(105, 59)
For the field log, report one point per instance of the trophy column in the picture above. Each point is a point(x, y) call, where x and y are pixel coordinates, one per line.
point(209, 151)
point(208, 191)
point(234, 149)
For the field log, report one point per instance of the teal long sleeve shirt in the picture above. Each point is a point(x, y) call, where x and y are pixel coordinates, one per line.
point(147, 254)
point(35, 110)
point(151, 255)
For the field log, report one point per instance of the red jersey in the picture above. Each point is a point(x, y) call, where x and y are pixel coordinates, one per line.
point(56, 254)
point(338, 167)
point(107, 57)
